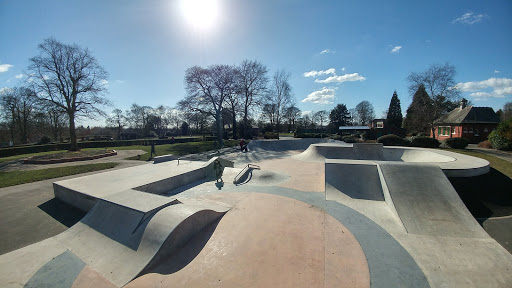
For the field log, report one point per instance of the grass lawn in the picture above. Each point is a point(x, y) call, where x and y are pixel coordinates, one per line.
point(23, 156)
point(12, 178)
point(488, 195)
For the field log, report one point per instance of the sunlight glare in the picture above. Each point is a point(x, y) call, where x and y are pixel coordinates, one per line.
point(201, 14)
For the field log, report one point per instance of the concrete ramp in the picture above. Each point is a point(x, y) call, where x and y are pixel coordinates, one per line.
point(358, 179)
point(130, 231)
point(427, 203)
point(289, 144)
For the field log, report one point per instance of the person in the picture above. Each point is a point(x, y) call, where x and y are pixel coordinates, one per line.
point(172, 140)
point(153, 149)
point(243, 145)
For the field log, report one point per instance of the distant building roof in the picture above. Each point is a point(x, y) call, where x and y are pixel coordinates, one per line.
point(354, 128)
point(469, 114)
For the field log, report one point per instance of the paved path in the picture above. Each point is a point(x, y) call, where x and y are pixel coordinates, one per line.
point(505, 155)
point(34, 205)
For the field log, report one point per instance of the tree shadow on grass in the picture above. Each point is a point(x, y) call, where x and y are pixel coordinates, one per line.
point(62, 212)
point(488, 195)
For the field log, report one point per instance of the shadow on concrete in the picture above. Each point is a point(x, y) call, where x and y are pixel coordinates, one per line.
point(62, 212)
point(189, 251)
point(184, 188)
point(485, 196)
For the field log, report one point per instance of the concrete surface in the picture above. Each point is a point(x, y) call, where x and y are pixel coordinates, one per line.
point(350, 242)
point(117, 242)
point(427, 203)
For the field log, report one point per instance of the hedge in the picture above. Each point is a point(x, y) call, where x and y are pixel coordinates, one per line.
point(425, 142)
point(11, 151)
point(457, 142)
point(392, 140)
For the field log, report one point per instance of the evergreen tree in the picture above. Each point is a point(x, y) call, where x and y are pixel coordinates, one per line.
point(394, 116)
point(339, 117)
point(419, 116)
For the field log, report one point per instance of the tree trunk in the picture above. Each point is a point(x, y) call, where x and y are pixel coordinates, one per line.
point(72, 133)
point(246, 122)
point(218, 121)
point(234, 121)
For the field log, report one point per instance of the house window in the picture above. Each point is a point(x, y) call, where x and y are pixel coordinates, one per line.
point(486, 130)
point(444, 131)
point(454, 131)
point(465, 130)
point(470, 130)
point(476, 132)
point(380, 124)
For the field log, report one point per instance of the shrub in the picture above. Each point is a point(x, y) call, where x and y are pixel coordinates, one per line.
point(44, 140)
point(336, 137)
point(425, 142)
point(270, 135)
point(457, 143)
point(501, 138)
point(349, 139)
point(499, 141)
point(485, 144)
point(392, 140)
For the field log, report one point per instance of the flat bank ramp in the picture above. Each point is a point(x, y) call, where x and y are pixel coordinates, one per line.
point(427, 203)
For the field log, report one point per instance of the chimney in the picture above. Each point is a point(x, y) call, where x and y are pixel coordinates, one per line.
point(463, 103)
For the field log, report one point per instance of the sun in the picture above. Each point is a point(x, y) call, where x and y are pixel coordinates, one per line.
point(201, 14)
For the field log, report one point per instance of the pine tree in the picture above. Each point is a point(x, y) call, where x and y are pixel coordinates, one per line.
point(339, 116)
point(419, 112)
point(395, 112)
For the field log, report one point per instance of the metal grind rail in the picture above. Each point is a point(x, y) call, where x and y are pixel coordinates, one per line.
point(246, 168)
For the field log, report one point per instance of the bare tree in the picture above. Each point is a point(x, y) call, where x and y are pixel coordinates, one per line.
point(18, 105)
point(365, 112)
point(280, 95)
point(117, 120)
point(439, 82)
point(291, 114)
point(207, 89)
point(251, 78)
point(69, 77)
point(321, 116)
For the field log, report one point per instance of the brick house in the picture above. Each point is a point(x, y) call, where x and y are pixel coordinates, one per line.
point(472, 123)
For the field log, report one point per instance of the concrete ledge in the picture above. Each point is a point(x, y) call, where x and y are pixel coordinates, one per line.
point(164, 158)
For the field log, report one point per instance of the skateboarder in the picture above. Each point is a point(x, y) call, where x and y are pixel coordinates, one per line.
point(243, 145)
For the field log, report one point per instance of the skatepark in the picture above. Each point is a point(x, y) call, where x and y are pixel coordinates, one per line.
point(288, 213)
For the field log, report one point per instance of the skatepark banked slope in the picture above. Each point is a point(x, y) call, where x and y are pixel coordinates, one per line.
point(411, 181)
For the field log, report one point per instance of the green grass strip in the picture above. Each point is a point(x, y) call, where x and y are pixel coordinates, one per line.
point(12, 178)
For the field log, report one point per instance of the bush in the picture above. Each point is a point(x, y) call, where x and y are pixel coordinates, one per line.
point(501, 138)
point(425, 142)
point(336, 137)
point(270, 135)
point(392, 140)
point(499, 141)
point(485, 144)
point(44, 140)
point(457, 143)
point(349, 139)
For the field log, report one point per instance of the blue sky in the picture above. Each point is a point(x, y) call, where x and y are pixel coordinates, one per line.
point(354, 50)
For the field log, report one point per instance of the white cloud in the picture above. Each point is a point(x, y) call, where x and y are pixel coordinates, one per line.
point(341, 79)
point(396, 49)
point(496, 71)
point(327, 51)
point(5, 90)
point(104, 82)
point(469, 18)
point(493, 87)
point(120, 81)
point(319, 73)
point(5, 67)
point(323, 96)
point(19, 76)
point(307, 112)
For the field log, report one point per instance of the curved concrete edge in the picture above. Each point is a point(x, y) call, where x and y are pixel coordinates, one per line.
point(166, 231)
point(452, 164)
